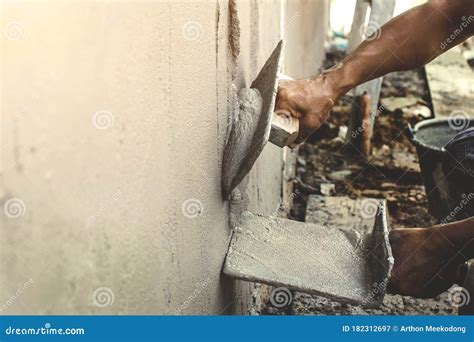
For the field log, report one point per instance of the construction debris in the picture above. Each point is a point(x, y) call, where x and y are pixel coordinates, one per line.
point(342, 211)
point(327, 189)
point(389, 173)
point(393, 103)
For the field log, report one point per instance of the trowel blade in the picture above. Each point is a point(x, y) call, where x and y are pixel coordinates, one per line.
point(247, 139)
point(333, 262)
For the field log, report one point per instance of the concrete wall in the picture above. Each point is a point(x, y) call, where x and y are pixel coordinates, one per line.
point(305, 26)
point(114, 118)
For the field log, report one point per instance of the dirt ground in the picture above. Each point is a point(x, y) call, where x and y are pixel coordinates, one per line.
point(392, 172)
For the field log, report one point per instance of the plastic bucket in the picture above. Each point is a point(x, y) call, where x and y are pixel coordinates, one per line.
point(430, 137)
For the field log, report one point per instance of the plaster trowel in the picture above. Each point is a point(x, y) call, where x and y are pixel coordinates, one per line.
point(255, 123)
point(334, 261)
point(330, 261)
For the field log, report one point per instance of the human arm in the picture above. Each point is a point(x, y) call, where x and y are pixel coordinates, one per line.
point(406, 42)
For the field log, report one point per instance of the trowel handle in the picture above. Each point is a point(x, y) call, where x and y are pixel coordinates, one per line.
point(284, 77)
point(285, 127)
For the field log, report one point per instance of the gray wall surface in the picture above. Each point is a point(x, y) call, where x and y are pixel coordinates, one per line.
point(114, 119)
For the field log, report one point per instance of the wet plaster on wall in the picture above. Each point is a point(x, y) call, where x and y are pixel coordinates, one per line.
point(233, 48)
point(238, 291)
point(233, 36)
point(133, 60)
point(254, 42)
point(261, 34)
point(139, 69)
point(250, 46)
point(243, 107)
point(218, 13)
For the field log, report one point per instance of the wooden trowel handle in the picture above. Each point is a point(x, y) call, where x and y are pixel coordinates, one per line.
point(285, 128)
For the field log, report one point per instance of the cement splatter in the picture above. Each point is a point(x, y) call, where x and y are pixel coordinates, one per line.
point(233, 36)
point(251, 124)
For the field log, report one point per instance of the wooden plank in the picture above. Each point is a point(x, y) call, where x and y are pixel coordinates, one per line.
point(451, 84)
point(355, 36)
point(381, 11)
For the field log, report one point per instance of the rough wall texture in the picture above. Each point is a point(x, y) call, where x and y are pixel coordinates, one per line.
point(305, 25)
point(114, 118)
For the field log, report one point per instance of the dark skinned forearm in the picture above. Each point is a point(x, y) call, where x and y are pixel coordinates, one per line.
point(406, 42)
point(458, 239)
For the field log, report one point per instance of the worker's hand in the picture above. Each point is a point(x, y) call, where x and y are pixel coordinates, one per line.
point(308, 100)
point(424, 264)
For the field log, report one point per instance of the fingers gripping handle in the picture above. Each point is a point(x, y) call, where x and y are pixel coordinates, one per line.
point(285, 128)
